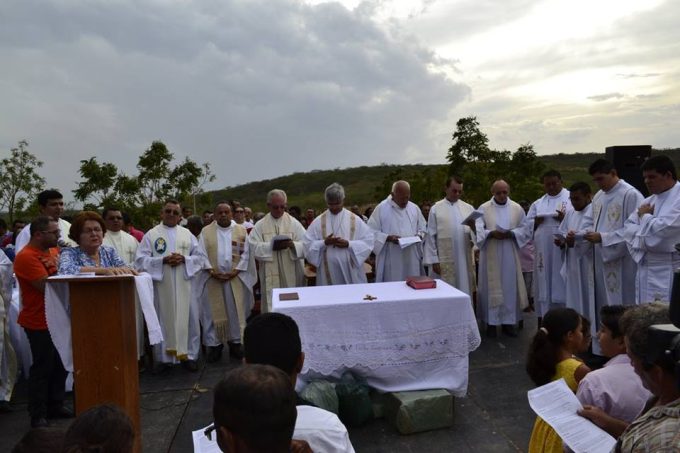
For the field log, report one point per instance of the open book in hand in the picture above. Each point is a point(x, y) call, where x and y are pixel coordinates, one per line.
point(474, 215)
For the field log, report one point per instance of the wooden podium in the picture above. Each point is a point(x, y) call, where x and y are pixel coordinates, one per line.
point(104, 342)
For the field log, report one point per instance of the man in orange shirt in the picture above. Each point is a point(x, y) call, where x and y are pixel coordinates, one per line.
point(47, 377)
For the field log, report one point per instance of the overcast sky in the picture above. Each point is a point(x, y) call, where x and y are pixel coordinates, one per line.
point(263, 88)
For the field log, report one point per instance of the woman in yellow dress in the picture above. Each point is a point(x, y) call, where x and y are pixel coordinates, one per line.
point(551, 357)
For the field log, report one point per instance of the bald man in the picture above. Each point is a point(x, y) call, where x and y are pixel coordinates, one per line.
point(500, 235)
point(399, 228)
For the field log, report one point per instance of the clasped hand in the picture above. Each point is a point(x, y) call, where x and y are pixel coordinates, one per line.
point(174, 259)
point(336, 242)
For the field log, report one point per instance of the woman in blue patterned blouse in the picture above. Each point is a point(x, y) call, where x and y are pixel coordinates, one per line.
point(87, 230)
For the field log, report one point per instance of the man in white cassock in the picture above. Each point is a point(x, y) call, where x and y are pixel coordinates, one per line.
point(543, 220)
point(276, 244)
point(449, 243)
point(126, 247)
point(614, 268)
point(228, 296)
point(653, 231)
point(170, 254)
point(577, 254)
point(399, 229)
point(500, 234)
point(338, 242)
point(8, 361)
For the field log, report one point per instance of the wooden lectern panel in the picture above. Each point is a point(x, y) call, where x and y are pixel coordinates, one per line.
point(104, 341)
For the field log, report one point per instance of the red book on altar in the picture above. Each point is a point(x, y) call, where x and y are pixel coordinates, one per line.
point(421, 282)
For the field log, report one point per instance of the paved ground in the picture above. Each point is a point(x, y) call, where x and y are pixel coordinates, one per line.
point(495, 417)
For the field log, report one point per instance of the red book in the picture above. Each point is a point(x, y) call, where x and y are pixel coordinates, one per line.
point(421, 282)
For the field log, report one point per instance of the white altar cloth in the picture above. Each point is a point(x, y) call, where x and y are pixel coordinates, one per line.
point(404, 339)
point(58, 313)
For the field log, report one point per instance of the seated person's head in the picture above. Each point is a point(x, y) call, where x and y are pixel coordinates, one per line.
point(274, 339)
point(655, 370)
point(104, 429)
point(609, 334)
point(40, 440)
point(254, 410)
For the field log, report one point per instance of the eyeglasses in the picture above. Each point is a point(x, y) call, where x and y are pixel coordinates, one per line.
point(91, 230)
point(171, 211)
point(209, 430)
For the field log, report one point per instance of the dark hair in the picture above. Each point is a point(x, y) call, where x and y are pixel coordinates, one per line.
point(545, 347)
point(40, 223)
point(295, 211)
point(14, 224)
point(218, 203)
point(610, 316)
point(79, 223)
point(111, 209)
point(126, 218)
point(551, 174)
point(272, 339)
point(582, 187)
point(3, 224)
point(194, 221)
point(40, 440)
point(47, 195)
point(104, 429)
point(171, 201)
point(660, 164)
point(257, 403)
point(601, 166)
point(453, 178)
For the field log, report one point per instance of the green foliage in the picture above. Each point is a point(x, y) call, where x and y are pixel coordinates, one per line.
point(19, 179)
point(142, 195)
point(471, 158)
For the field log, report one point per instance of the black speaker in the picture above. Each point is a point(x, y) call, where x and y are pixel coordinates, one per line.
point(628, 161)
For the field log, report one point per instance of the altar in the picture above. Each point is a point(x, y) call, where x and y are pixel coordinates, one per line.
point(388, 334)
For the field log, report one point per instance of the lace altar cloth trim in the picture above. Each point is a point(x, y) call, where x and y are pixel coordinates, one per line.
point(437, 344)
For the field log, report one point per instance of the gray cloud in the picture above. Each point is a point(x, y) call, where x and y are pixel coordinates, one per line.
point(606, 97)
point(258, 88)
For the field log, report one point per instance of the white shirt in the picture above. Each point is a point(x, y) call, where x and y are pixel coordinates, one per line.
point(322, 430)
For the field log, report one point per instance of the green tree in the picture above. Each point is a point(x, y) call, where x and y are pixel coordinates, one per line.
point(19, 179)
point(141, 195)
point(479, 166)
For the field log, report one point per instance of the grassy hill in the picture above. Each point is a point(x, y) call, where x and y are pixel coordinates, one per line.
point(366, 185)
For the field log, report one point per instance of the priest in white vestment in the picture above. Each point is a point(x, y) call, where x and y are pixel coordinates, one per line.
point(170, 254)
point(500, 235)
point(653, 231)
point(577, 262)
point(399, 228)
point(338, 242)
point(276, 244)
point(50, 204)
point(228, 295)
point(543, 219)
point(8, 361)
point(449, 244)
point(614, 268)
point(126, 247)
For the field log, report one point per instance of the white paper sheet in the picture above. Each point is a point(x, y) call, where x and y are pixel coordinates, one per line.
point(407, 241)
point(202, 444)
point(474, 215)
point(557, 405)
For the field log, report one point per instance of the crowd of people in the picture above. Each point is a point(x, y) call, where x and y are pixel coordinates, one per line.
point(572, 258)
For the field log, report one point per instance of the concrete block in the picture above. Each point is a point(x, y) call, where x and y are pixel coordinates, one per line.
point(417, 411)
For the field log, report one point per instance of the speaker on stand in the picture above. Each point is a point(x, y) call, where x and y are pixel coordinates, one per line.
point(628, 162)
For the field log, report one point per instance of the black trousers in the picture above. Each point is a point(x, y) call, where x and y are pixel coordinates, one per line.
point(47, 376)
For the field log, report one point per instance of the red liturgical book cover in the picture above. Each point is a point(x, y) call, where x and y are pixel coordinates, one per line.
point(421, 282)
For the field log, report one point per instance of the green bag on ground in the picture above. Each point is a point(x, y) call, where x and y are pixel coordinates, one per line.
point(355, 403)
point(421, 410)
point(321, 394)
